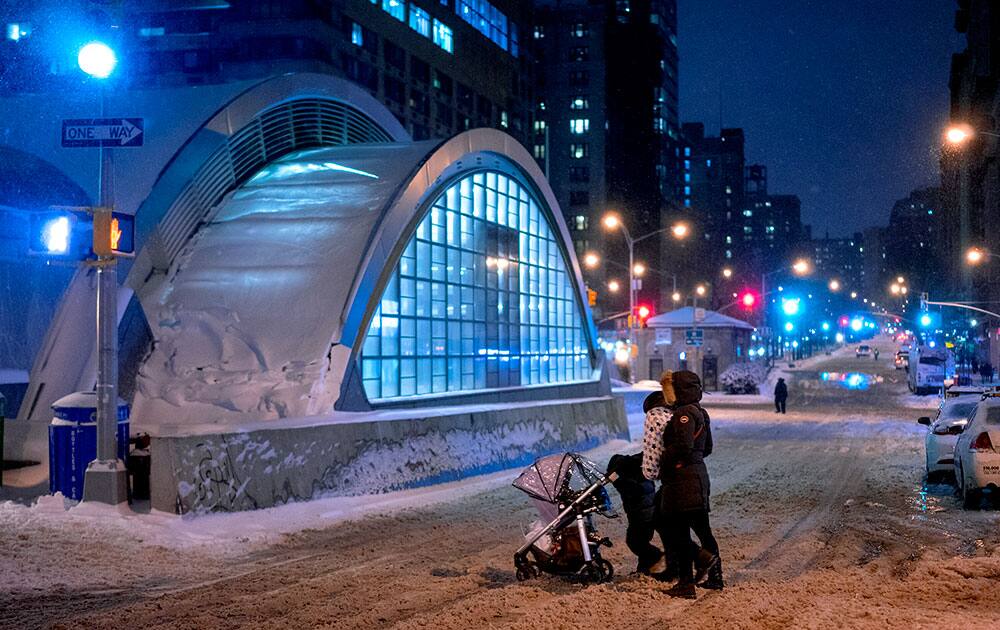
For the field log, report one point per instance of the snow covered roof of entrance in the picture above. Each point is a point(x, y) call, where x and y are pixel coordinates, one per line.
point(684, 318)
point(259, 314)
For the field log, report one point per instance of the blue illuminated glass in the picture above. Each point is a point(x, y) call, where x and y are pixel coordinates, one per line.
point(395, 8)
point(480, 299)
point(442, 36)
point(490, 21)
point(420, 21)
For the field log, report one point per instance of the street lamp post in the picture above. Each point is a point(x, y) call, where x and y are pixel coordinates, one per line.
point(105, 478)
point(611, 222)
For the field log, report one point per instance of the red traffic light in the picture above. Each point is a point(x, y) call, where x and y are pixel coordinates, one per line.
point(748, 300)
point(843, 321)
point(643, 312)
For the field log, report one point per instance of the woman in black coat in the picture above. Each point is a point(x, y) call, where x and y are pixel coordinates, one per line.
point(684, 495)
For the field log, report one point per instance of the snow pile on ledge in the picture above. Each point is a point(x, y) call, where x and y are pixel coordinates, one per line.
point(236, 532)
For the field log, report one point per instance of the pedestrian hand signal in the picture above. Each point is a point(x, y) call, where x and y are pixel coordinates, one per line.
point(113, 233)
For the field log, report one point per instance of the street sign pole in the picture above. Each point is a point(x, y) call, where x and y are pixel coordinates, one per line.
point(105, 480)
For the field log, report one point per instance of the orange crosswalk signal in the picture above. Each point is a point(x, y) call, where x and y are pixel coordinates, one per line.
point(113, 233)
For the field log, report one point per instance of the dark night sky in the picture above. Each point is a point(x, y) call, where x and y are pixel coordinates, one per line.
point(843, 100)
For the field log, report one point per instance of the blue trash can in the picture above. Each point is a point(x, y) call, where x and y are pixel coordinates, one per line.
point(73, 441)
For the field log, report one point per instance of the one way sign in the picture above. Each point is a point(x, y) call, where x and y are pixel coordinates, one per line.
point(102, 132)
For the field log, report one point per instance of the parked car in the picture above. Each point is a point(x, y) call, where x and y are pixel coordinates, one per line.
point(863, 351)
point(902, 360)
point(943, 432)
point(977, 462)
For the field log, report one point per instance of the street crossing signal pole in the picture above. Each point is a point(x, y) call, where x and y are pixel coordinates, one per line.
point(105, 480)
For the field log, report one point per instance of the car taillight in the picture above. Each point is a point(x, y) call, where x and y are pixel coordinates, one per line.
point(982, 443)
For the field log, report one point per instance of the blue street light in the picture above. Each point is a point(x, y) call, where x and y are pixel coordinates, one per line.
point(826, 326)
point(790, 306)
point(97, 59)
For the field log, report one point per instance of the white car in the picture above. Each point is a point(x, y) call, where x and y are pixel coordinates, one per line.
point(863, 351)
point(977, 462)
point(943, 432)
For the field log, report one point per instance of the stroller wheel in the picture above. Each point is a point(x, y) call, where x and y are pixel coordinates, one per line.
point(525, 573)
point(607, 569)
point(593, 573)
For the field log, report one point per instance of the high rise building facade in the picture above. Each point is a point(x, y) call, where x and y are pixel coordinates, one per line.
point(840, 259)
point(912, 240)
point(970, 174)
point(441, 66)
point(606, 129)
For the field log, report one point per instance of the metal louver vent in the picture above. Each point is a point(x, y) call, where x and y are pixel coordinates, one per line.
point(288, 127)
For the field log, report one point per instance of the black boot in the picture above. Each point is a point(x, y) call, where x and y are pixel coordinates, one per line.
point(683, 590)
point(704, 562)
point(714, 581)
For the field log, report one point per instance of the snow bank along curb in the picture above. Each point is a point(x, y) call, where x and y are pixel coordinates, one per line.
point(267, 467)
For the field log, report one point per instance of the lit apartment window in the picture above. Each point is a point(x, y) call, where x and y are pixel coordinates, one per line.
point(687, 190)
point(539, 151)
point(687, 165)
point(395, 8)
point(687, 177)
point(504, 120)
point(539, 32)
point(729, 254)
point(580, 222)
point(687, 203)
point(442, 36)
point(748, 213)
point(539, 126)
point(729, 240)
point(151, 31)
point(357, 35)
point(687, 152)
point(579, 103)
point(579, 30)
point(729, 190)
point(579, 53)
point(708, 163)
point(490, 21)
point(420, 21)
point(579, 125)
point(578, 150)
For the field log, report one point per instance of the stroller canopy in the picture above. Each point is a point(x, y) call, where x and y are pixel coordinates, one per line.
point(558, 477)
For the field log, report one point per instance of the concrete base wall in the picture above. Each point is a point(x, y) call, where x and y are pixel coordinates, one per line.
point(265, 467)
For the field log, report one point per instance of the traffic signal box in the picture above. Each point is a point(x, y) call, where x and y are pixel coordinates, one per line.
point(72, 233)
point(114, 233)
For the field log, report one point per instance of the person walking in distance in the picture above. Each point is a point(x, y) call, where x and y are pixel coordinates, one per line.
point(685, 489)
point(780, 396)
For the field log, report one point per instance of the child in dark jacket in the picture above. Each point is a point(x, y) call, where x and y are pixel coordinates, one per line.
point(639, 502)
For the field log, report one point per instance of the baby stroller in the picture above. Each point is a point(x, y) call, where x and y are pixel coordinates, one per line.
point(567, 490)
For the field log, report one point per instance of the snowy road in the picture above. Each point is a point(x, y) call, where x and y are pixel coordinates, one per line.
point(821, 516)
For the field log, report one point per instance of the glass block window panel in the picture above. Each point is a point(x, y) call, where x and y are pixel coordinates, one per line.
point(480, 299)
